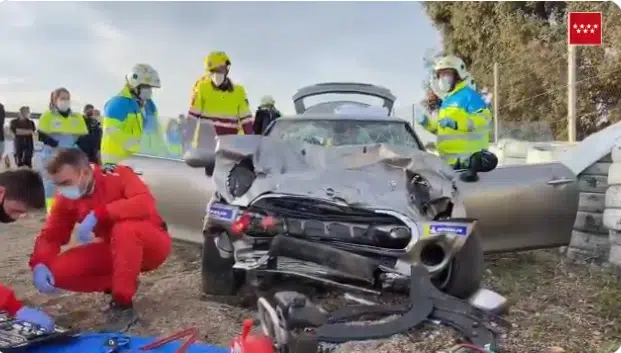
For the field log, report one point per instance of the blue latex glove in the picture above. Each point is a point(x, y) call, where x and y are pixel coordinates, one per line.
point(36, 317)
point(423, 120)
point(449, 123)
point(85, 228)
point(43, 279)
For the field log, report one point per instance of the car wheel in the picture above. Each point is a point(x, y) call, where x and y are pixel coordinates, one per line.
point(466, 270)
point(218, 276)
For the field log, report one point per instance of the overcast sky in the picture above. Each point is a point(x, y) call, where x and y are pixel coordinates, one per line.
point(275, 47)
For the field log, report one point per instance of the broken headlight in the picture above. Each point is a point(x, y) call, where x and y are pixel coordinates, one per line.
point(419, 189)
point(428, 194)
point(240, 179)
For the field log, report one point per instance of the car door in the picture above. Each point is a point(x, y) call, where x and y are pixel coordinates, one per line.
point(181, 193)
point(521, 207)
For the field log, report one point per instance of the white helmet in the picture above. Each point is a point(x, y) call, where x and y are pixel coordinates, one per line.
point(451, 62)
point(267, 100)
point(143, 74)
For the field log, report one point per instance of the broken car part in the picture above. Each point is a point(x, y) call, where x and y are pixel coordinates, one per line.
point(298, 326)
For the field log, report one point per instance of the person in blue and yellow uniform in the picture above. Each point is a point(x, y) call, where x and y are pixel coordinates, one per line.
point(218, 104)
point(130, 123)
point(173, 138)
point(59, 127)
point(462, 124)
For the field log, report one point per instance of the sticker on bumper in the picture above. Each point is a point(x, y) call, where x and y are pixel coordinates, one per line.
point(447, 228)
point(222, 212)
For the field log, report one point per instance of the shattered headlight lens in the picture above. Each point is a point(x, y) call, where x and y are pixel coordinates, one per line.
point(240, 179)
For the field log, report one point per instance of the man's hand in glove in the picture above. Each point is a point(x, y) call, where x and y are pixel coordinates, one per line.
point(36, 317)
point(448, 123)
point(85, 228)
point(43, 279)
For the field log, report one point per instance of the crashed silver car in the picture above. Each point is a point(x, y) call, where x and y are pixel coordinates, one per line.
point(357, 212)
point(356, 215)
point(517, 207)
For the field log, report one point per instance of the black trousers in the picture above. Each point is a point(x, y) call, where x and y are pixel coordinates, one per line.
point(23, 153)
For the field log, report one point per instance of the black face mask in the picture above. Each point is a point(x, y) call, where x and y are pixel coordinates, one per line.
point(4, 217)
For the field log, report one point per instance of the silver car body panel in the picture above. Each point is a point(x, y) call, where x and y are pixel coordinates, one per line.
point(372, 176)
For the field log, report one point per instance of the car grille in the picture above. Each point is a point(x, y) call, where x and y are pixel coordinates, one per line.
point(326, 221)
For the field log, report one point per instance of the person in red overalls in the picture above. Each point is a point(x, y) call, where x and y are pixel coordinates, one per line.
point(130, 236)
point(21, 190)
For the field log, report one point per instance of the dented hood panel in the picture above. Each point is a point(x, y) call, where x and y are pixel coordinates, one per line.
point(372, 176)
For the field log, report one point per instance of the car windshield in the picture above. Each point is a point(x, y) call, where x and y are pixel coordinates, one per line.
point(345, 132)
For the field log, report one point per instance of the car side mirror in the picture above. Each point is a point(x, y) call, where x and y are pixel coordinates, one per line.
point(201, 158)
point(483, 161)
point(479, 162)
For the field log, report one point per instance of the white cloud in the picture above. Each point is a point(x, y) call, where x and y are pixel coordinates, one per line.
point(275, 47)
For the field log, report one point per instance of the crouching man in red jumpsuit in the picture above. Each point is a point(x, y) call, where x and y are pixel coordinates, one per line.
point(130, 237)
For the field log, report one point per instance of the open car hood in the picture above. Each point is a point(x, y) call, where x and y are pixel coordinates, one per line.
point(372, 176)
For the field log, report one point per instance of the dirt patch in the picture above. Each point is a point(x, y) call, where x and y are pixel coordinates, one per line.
point(556, 306)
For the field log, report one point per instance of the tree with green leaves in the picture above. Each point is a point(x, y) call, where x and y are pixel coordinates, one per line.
point(529, 42)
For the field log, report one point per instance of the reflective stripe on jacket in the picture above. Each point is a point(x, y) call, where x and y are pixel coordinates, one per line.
point(65, 130)
point(227, 111)
point(465, 106)
point(124, 124)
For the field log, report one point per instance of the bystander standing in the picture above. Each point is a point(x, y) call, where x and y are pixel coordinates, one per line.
point(91, 143)
point(23, 129)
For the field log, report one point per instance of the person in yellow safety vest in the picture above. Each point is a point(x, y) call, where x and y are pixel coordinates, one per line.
point(59, 127)
point(462, 124)
point(130, 124)
point(218, 104)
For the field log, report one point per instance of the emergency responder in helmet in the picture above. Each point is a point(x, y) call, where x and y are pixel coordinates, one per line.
point(463, 120)
point(141, 80)
point(218, 66)
point(130, 121)
point(218, 104)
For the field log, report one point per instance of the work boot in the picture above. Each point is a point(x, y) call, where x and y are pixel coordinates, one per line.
point(120, 317)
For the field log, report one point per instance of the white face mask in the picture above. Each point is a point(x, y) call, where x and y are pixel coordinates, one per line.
point(146, 93)
point(218, 78)
point(445, 83)
point(63, 105)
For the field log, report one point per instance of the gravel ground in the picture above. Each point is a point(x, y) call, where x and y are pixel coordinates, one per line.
point(557, 307)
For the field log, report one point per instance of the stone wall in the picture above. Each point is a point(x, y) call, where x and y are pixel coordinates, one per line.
point(589, 239)
point(612, 214)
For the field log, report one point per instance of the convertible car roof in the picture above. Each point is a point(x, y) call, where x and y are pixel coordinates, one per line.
point(342, 117)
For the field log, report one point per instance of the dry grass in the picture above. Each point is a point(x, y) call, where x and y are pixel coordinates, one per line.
point(556, 306)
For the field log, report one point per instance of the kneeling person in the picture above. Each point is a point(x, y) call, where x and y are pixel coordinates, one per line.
point(21, 190)
point(131, 237)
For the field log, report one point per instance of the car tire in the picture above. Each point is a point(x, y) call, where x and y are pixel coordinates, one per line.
point(218, 278)
point(467, 267)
